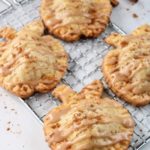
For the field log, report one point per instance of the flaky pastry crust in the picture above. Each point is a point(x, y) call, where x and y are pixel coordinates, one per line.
point(86, 121)
point(29, 61)
point(127, 68)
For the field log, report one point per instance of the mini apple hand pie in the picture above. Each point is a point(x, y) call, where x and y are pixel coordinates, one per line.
point(127, 68)
point(71, 19)
point(86, 121)
point(29, 61)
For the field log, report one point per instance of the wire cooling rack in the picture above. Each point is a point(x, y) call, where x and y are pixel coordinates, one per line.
point(86, 57)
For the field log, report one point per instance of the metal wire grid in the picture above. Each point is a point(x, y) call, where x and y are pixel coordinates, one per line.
point(84, 66)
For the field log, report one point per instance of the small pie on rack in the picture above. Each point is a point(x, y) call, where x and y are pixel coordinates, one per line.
point(127, 68)
point(29, 61)
point(71, 19)
point(86, 121)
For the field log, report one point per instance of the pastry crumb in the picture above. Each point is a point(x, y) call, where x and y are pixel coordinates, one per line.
point(8, 122)
point(135, 15)
point(8, 129)
point(133, 1)
point(114, 3)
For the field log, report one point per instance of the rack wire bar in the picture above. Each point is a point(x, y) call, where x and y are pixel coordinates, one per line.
point(5, 6)
point(85, 59)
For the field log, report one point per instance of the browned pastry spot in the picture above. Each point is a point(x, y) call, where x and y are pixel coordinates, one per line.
point(86, 121)
point(127, 68)
point(29, 61)
point(71, 19)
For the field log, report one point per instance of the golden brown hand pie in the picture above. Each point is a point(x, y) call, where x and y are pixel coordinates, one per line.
point(71, 19)
point(86, 121)
point(127, 68)
point(29, 61)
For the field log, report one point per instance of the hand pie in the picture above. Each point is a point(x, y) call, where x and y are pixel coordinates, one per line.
point(71, 19)
point(29, 61)
point(86, 121)
point(127, 68)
